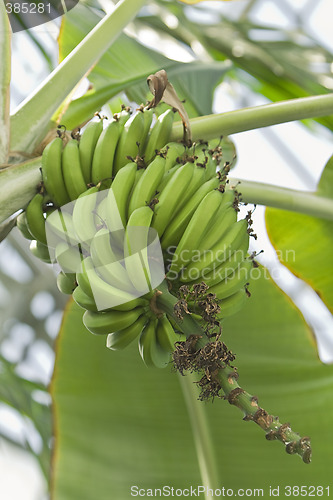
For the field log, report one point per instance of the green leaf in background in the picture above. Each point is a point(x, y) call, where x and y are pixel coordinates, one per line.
point(5, 58)
point(22, 395)
point(118, 423)
point(281, 61)
point(125, 67)
point(304, 244)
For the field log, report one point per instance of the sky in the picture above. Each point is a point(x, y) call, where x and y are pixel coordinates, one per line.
point(294, 145)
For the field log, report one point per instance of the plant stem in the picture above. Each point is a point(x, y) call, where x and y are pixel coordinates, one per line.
point(233, 122)
point(226, 376)
point(202, 437)
point(5, 53)
point(17, 186)
point(32, 118)
point(284, 198)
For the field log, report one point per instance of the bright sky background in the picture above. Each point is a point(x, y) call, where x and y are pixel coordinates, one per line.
point(20, 478)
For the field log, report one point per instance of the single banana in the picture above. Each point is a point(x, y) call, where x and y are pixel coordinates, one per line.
point(87, 146)
point(227, 267)
point(232, 304)
point(159, 134)
point(122, 186)
point(112, 214)
point(66, 283)
point(105, 295)
point(71, 169)
point(150, 351)
point(102, 164)
point(166, 335)
point(35, 218)
point(135, 248)
point(179, 223)
point(192, 236)
point(122, 338)
point(148, 118)
point(84, 215)
point(53, 178)
point(221, 251)
point(83, 300)
point(174, 153)
point(131, 139)
point(234, 281)
point(40, 251)
point(107, 263)
point(22, 226)
point(102, 323)
point(146, 186)
point(170, 197)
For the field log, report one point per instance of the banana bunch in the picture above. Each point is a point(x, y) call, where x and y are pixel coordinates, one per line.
point(112, 206)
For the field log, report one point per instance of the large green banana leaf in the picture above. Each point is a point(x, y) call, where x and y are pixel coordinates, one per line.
point(119, 424)
point(125, 67)
point(305, 244)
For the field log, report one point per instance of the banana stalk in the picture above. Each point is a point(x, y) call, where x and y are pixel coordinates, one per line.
point(227, 377)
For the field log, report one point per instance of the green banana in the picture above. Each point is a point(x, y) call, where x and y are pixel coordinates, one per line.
point(102, 323)
point(112, 214)
point(35, 218)
point(71, 169)
point(174, 153)
point(148, 118)
point(221, 251)
point(182, 217)
point(135, 248)
point(22, 226)
point(102, 163)
point(166, 335)
point(191, 237)
point(66, 283)
point(83, 300)
point(87, 146)
point(122, 338)
point(122, 186)
point(170, 197)
point(40, 251)
point(210, 167)
point(232, 304)
point(84, 215)
point(159, 134)
point(53, 178)
point(150, 351)
point(146, 186)
point(106, 261)
point(105, 295)
point(233, 282)
point(131, 139)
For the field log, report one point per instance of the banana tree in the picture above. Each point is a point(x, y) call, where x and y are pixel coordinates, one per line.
point(119, 427)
